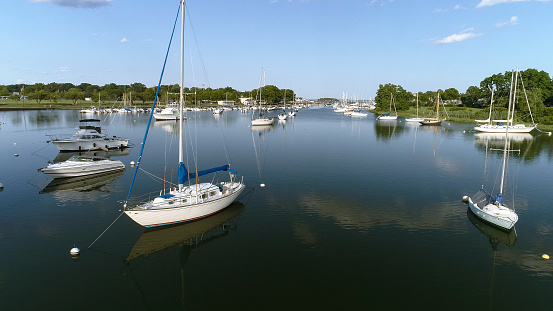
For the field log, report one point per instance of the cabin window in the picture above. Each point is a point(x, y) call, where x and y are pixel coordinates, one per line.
point(204, 196)
point(212, 193)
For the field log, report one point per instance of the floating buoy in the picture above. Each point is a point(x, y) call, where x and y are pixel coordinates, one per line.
point(262, 185)
point(1, 186)
point(545, 256)
point(132, 163)
point(74, 251)
point(16, 154)
point(465, 199)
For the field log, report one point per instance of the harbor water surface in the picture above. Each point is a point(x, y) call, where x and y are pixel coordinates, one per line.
point(356, 214)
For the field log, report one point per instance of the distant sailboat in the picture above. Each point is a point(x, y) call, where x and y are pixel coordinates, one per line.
point(500, 126)
point(388, 116)
point(261, 119)
point(436, 120)
point(416, 119)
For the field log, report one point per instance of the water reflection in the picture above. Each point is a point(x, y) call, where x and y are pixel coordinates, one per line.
point(527, 145)
point(386, 130)
point(193, 233)
point(494, 235)
point(73, 185)
point(169, 126)
point(64, 156)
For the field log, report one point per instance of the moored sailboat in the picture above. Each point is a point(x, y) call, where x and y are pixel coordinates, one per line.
point(487, 207)
point(192, 199)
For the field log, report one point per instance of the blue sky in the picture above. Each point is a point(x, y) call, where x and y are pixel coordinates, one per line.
point(320, 48)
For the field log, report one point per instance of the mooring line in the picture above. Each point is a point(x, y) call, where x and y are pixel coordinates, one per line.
point(105, 230)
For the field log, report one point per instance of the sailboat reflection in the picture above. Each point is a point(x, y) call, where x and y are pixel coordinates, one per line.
point(155, 240)
point(82, 183)
point(495, 235)
point(64, 156)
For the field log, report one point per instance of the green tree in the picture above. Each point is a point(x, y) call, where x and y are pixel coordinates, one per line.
point(402, 99)
point(74, 95)
point(39, 95)
point(473, 97)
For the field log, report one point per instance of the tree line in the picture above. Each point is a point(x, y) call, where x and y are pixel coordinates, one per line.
point(538, 87)
point(136, 92)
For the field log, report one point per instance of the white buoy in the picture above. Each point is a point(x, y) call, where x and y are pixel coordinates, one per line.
point(16, 154)
point(132, 163)
point(75, 251)
point(465, 199)
point(1, 186)
point(262, 185)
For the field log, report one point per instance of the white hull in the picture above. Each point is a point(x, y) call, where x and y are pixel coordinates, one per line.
point(262, 121)
point(72, 168)
point(519, 128)
point(86, 144)
point(161, 212)
point(499, 216)
point(386, 118)
point(414, 119)
point(164, 116)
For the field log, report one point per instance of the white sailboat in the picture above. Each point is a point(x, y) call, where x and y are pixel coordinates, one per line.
point(389, 116)
point(415, 119)
point(492, 209)
point(261, 119)
point(282, 116)
point(500, 126)
point(190, 201)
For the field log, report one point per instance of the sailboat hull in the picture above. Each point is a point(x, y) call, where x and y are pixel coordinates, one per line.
point(501, 217)
point(491, 128)
point(148, 215)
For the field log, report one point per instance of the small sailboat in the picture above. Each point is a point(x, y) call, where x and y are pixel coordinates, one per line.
point(415, 119)
point(436, 120)
point(192, 199)
point(389, 116)
point(487, 207)
point(261, 119)
point(282, 116)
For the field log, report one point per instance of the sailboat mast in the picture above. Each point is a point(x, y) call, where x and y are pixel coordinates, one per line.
point(438, 107)
point(181, 100)
point(511, 106)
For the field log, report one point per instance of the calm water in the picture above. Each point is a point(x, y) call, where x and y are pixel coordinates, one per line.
point(356, 215)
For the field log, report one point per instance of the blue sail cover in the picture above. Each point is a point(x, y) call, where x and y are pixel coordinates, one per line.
point(184, 175)
point(387, 114)
point(499, 198)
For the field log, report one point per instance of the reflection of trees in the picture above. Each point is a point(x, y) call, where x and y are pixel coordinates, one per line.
point(530, 146)
point(385, 130)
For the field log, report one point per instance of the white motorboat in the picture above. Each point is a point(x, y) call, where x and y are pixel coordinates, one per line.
point(81, 166)
point(189, 201)
point(89, 135)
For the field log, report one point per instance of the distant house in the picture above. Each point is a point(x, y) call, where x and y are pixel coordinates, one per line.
point(88, 99)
